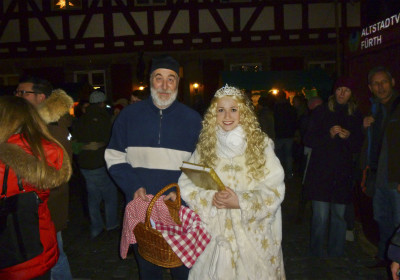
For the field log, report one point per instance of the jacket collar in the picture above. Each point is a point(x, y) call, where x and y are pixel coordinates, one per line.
point(374, 99)
point(13, 155)
point(55, 106)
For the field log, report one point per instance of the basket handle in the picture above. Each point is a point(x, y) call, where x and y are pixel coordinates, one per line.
point(157, 196)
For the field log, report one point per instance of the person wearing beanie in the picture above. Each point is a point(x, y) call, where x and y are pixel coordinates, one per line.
point(93, 130)
point(97, 97)
point(334, 134)
point(149, 141)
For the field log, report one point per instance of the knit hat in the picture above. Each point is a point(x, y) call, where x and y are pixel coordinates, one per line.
point(344, 82)
point(97, 97)
point(164, 61)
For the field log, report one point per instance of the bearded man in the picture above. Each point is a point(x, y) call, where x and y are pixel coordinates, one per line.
point(149, 141)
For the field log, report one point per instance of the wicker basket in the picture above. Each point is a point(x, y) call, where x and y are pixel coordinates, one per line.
point(151, 244)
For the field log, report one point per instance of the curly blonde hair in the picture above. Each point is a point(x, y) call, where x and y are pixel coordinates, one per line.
point(256, 144)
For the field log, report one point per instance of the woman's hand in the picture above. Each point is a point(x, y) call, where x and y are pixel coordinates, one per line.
point(226, 199)
point(344, 133)
point(336, 129)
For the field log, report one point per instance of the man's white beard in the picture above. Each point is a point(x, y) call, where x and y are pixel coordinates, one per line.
point(161, 102)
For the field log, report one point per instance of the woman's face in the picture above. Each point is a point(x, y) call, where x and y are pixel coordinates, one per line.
point(227, 113)
point(342, 95)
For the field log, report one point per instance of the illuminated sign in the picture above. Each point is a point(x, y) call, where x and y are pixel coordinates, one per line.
point(372, 35)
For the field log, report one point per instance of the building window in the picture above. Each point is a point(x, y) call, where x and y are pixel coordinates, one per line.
point(96, 78)
point(247, 67)
point(66, 4)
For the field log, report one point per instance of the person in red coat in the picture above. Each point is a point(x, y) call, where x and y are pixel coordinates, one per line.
point(31, 152)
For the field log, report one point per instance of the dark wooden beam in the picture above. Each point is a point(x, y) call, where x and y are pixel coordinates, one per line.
point(7, 15)
point(131, 21)
point(86, 20)
point(42, 20)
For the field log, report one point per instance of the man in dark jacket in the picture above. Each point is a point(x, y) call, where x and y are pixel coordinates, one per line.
point(382, 154)
point(93, 130)
point(266, 116)
point(53, 106)
point(285, 120)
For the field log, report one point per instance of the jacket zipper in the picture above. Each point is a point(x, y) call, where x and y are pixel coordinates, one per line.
point(159, 131)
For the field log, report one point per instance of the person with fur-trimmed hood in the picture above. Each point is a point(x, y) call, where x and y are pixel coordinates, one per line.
point(53, 106)
point(30, 152)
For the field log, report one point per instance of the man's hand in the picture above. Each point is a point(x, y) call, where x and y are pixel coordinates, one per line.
point(344, 133)
point(368, 121)
point(394, 267)
point(336, 129)
point(171, 195)
point(227, 199)
point(142, 194)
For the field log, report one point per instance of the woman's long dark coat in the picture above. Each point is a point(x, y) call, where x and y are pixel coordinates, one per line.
point(330, 172)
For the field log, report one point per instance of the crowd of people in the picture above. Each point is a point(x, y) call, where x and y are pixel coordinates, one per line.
point(139, 148)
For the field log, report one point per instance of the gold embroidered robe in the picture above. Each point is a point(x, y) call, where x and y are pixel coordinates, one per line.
point(254, 232)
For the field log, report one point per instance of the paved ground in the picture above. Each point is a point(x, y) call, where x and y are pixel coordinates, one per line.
point(99, 258)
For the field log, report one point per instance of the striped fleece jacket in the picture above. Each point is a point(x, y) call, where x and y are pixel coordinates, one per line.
point(148, 145)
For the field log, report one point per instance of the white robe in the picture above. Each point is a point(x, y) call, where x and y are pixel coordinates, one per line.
point(249, 238)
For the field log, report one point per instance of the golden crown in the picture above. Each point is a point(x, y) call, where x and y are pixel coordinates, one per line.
point(227, 90)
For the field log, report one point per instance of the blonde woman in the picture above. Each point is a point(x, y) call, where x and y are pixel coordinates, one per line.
point(30, 152)
point(244, 220)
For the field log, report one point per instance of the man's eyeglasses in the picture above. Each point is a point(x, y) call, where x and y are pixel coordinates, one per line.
point(22, 92)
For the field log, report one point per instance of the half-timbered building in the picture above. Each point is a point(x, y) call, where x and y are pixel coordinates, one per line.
point(109, 43)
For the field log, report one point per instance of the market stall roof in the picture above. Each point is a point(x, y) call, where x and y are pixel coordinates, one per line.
point(289, 80)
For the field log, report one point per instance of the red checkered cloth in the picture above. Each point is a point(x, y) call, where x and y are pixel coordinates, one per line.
point(135, 212)
point(188, 240)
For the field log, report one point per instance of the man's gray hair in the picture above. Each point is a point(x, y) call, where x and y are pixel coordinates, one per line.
point(379, 69)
